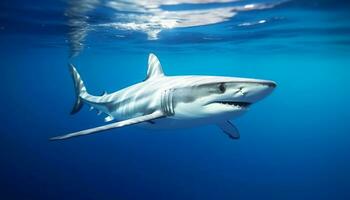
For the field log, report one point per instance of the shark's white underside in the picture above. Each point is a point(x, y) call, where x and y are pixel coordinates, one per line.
point(167, 102)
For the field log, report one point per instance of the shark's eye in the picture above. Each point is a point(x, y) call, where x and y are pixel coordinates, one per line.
point(222, 87)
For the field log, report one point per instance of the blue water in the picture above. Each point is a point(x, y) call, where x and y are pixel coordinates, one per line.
point(294, 144)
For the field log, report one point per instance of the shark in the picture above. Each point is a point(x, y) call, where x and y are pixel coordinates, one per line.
point(170, 102)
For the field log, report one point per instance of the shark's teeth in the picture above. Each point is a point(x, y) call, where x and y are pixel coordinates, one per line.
point(235, 103)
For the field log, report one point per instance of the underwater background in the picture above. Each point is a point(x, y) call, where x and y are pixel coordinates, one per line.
point(294, 144)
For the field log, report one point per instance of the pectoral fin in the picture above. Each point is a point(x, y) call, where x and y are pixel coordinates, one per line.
point(228, 128)
point(136, 120)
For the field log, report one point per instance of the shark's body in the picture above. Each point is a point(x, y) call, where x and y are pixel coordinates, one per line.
point(173, 101)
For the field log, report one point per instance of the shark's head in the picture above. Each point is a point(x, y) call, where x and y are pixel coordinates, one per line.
point(219, 97)
point(207, 97)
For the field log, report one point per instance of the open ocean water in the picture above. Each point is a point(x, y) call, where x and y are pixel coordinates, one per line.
point(294, 144)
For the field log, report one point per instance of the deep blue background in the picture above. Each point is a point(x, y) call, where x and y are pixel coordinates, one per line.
point(294, 144)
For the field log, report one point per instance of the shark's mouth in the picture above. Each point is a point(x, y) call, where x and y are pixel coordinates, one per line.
point(235, 103)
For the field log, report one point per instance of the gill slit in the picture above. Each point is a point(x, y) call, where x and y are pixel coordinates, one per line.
point(167, 102)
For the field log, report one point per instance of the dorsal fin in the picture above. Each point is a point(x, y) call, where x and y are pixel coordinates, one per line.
point(154, 68)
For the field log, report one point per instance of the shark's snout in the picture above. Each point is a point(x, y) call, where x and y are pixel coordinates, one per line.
point(253, 90)
point(270, 84)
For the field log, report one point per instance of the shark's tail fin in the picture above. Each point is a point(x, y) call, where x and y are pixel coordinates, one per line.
point(80, 89)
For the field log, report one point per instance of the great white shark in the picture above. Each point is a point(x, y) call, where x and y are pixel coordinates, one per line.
point(168, 102)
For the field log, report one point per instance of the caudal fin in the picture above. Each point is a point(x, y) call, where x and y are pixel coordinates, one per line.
point(79, 89)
